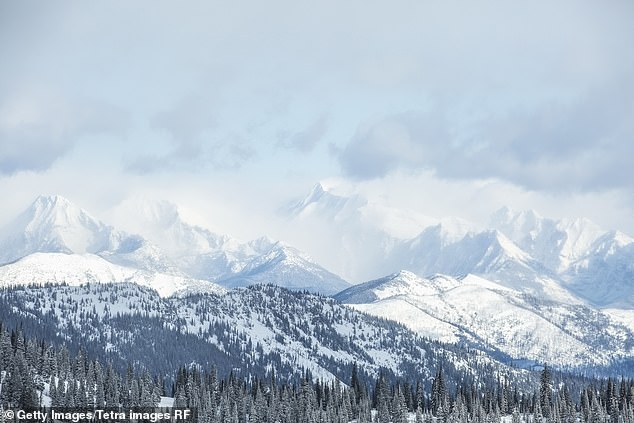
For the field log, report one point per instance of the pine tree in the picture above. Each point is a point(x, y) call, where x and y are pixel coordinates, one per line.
point(6, 350)
point(439, 399)
point(538, 416)
point(596, 412)
point(382, 400)
point(399, 407)
point(545, 392)
point(100, 396)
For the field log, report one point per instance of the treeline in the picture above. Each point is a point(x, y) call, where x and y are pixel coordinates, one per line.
point(34, 374)
point(266, 401)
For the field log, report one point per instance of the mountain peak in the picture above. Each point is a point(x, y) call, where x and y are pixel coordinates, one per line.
point(55, 211)
point(318, 190)
point(54, 207)
point(53, 224)
point(403, 274)
point(322, 200)
point(54, 200)
point(509, 218)
point(555, 243)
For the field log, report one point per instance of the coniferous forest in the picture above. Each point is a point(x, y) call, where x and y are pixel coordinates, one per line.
point(37, 374)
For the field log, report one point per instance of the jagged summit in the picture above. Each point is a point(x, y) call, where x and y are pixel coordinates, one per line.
point(54, 224)
point(57, 212)
point(555, 243)
point(322, 201)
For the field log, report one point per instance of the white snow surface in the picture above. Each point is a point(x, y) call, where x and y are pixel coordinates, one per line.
point(493, 316)
point(78, 269)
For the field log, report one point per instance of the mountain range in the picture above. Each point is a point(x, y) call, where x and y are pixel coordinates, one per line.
point(534, 288)
point(572, 260)
point(172, 250)
point(526, 287)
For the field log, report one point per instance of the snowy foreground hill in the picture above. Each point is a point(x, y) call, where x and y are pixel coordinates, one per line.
point(250, 331)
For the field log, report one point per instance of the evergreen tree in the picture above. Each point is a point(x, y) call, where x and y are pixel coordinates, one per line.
point(545, 392)
point(439, 399)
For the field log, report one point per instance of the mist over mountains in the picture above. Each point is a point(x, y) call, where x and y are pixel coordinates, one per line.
point(533, 289)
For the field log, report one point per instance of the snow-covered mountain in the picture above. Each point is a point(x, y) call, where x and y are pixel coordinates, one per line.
point(455, 250)
point(534, 288)
point(325, 203)
point(196, 250)
point(595, 264)
point(568, 260)
point(289, 268)
point(54, 224)
point(555, 243)
point(604, 275)
point(493, 317)
point(202, 254)
point(351, 233)
point(168, 246)
point(529, 287)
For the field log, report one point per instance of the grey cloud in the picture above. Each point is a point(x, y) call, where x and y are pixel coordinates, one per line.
point(188, 123)
point(306, 140)
point(407, 140)
point(29, 150)
point(580, 146)
point(36, 132)
point(187, 120)
point(193, 157)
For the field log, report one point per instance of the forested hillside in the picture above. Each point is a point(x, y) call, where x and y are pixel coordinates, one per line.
point(37, 374)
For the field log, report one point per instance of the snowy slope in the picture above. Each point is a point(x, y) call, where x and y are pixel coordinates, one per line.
point(566, 260)
point(595, 264)
point(491, 316)
point(76, 269)
point(52, 224)
point(605, 274)
point(350, 233)
point(555, 243)
point(249, 330)
point(455, 251)
point(288, 268)
point(196, 251)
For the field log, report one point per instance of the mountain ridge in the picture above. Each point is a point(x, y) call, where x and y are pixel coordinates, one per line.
point(488, 316)
point(53, 224)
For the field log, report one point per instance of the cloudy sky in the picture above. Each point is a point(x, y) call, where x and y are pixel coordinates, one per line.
point(233, 109)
